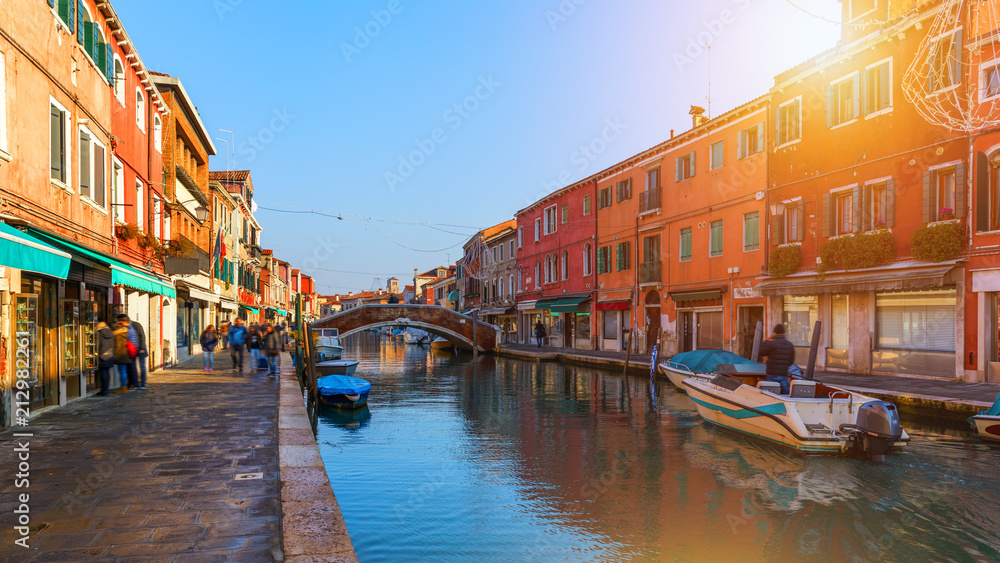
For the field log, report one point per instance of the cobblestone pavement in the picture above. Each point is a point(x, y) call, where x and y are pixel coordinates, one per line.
point(151, 475)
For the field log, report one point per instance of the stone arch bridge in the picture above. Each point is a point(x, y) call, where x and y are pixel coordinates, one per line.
point(451, 325)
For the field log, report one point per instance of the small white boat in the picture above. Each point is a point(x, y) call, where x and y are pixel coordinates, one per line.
point(416, 337)
point(337, 367)
point(813, 417)
point(440, 344)
point(987, 423)
point(329, 347)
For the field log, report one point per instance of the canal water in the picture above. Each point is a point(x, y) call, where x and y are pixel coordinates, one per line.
point(505, 460)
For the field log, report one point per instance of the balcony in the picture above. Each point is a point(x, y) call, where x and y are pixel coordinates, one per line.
point(650, 272)
point(649, 200)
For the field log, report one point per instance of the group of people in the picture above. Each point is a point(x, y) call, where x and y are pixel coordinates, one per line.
point(122, 346)
point(261, 340)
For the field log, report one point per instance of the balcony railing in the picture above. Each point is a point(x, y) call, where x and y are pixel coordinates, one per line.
point(650, 272)
point(649, 200)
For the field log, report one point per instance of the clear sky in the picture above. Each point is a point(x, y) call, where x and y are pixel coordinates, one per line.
point(447, 113)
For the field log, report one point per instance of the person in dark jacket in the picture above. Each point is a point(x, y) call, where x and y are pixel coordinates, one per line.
point(209, 340)
point(141, 357)
point(124, 358)
point(540, 332)
point(237, 343)
point(780, 355)
point(105, 356)
point(271, 346)
point(253, 343)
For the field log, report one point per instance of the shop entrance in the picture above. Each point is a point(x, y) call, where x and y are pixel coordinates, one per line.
point(652, 320)
point(747, 327)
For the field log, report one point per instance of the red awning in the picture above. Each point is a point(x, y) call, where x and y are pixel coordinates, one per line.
point(622, 305)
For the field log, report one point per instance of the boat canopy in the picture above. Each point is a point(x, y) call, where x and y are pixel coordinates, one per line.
point(994, 410)
point(705, 361)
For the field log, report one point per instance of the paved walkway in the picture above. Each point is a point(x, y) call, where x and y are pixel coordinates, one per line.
point(151, 475)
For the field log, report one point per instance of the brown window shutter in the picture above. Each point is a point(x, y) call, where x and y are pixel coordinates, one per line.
point(778, 228)
point(960, 191)
point(982, 192)
point(890, 203)
point(856, 210)
point(827, 208)
point(801, 219)
point(866, 212)
point(928, 199)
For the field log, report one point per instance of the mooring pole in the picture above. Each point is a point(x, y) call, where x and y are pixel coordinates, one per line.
point(475, 336)
point(813, 349)
point(757, 337)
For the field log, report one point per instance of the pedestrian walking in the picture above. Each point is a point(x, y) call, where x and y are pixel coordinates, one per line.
point(237, 342)
point(272, 349)
point(280, 328)
point(209, 340)
point(223, 335)
point(125, 353)
point(253, 342)
point(140, 358)
point(780, 355)
point(540, 332)
point(105, 356)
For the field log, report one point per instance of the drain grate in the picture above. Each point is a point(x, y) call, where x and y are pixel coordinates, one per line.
point(248, 476)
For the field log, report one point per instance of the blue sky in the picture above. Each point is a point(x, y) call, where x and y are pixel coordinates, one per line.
point(449, 114)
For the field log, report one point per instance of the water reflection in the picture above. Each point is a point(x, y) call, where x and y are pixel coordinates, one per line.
point(504, 459)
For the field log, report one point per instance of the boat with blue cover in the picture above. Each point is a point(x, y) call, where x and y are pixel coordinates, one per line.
point(343, 391)
point(987, 423)
point(704, 364)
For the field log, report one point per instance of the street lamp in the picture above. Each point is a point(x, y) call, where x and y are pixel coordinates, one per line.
point(200, 212)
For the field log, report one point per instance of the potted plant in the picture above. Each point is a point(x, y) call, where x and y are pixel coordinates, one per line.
point(946, 213)
point(126, 231)
point(937, 243)
point(879, 224)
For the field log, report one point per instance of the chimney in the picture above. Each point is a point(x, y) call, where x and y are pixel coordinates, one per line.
point(671, 133)
point(697, 116)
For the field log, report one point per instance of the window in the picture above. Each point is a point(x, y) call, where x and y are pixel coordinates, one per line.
point(945, 62)
point(799, 317)
point(520, 237)
point(118, 194)
point(512, 252)
point(93, 168)
point(565, 213)
point(751, 231)
point(843, 101)
point(500, 246)
point(794, 222)
point(991, 82)
point(623, 190)
point(914, 320)
point(3, 105)
point(715, 238)
point(511, 294)
point(140, 109)
point(538, 229)
point(565, 265)
point(877, 202)
point(789, 120)
point(604, 260)
point(718, 155)
point(66, 12)
point(586, 259)
point(653, 178)
point(845, 213)
point(550, 220)
point(119, 80)
point(499, 289)
point(945, 193)
point(140, 212)
point(877, 87)
point(604, 198)
point(157, 213)
point(58, 145)
point(494, 251)
point(684, 167)
point(586, 205)
point(548, 269)
point(157, 133)
point(622, 255)
point(609, 324)
point(685, 244)
point(750, 141)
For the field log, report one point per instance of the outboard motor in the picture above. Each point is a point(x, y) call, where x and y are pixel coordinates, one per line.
point(879, 428)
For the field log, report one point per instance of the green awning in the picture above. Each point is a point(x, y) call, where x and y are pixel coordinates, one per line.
point(250, 309)
point(696, 295)
point(281, 312)
point(561, 304)
point(25, 252)
point(121, 273)
point(453, 296)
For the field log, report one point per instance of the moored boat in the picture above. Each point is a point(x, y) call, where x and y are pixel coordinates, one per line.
point(329, 347)
point(337, 367)
point(703, 364)
point(440, 344)
point(813, 417)
point(343, 391)
point(987, 423)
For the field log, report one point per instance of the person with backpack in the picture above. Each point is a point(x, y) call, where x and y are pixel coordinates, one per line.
point(209, 340)
point(105, 356)
point(272, 348)
point(237, 341)
point(253, 342)
point(125, 352)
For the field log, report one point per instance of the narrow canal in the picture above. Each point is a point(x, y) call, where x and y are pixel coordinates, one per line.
point(505, 460)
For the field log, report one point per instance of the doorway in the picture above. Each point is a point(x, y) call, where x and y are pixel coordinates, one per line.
point(747, 328)
point(686, 319)
point(652, 320)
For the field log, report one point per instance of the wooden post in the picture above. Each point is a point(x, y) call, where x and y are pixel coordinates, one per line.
point(758, 336)
point(475, 335)
point(311, 370)
point(813, 349)
point(628, 351)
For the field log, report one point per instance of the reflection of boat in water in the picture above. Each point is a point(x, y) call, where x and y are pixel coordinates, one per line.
point(987, 423)
point(440, 344)
point(415, 336)
point(813, 417)
point(703, 364)
point(343, 391)
point(337, 367)
point(350, 419)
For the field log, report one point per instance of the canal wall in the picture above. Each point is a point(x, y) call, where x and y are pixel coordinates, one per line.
point(312, 526)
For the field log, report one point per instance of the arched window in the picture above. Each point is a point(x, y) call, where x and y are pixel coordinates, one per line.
point(519, 284)
point(511, 295)
point(565, 265)
point(538, 268)
point(140, 109)
point(497, 291)
point(119, 81)
point(157, 133)
point(486, 292)
point(586, 259)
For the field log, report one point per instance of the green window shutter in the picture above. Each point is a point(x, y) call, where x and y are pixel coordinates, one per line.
point(80, 24)
point(827, 214)
point(741, 144)
point(890, 203)
point(109, 63)
point(628, 254)
point(761, 128)
point(956, 64)
point(885, 86)
point(801, 220)
point(960, 191)
point(691, 166)
point(52, 3)
point(865, 199)
point(829, 105)
point(796, 110)
point(856, 90)
point(678, 169)
point(856, 209)
point(101, 56)
point(928, 199)
point(864, 92)
point(982, 192)
point(778, 228)
point(628, 188)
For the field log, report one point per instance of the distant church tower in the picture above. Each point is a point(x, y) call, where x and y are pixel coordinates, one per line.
point(393, 285)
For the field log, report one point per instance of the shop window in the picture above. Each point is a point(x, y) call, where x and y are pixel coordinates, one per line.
point(920, 321)
point(799, 316)
point(789, 119)
point(609, 325)
point(839, 322)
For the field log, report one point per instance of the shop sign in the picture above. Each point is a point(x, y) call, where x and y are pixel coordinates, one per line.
point(746, 293)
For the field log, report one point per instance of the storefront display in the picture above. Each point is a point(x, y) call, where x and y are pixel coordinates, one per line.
point(88, 328)
point(26, 340)
point(69, 333)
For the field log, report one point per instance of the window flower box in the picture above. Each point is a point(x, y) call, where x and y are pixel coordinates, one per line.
point(938, 242)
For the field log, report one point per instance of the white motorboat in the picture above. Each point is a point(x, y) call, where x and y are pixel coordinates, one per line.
point(813, 417)
point(416, 337)
point(987, 423)
point(337, 367)
point(329, 347)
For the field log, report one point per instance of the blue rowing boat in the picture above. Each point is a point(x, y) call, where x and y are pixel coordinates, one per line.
point(343, 391)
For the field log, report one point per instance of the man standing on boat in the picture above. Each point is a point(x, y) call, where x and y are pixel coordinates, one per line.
point(780, 356)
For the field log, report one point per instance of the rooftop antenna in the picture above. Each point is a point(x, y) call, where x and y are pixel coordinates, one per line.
point(709, 47)
point(233, 137)
point(227, 151)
